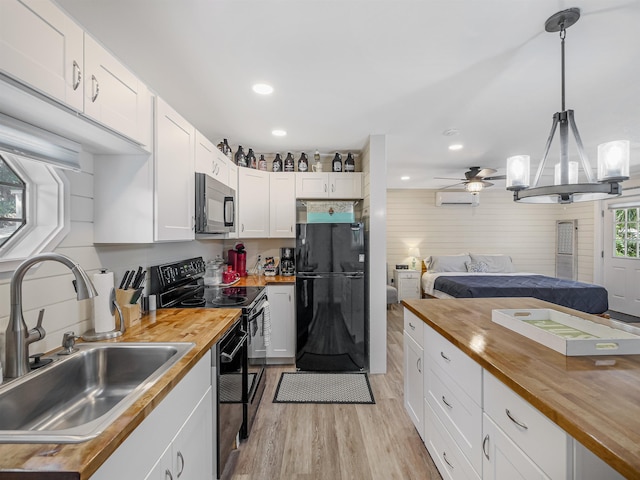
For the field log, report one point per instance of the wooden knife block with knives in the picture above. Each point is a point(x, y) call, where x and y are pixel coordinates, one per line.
point(129, 298)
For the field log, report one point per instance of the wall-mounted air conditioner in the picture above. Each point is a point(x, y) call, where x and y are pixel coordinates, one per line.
point(445, 198)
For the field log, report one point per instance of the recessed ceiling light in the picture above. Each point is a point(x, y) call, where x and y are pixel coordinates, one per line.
point(278, 132)
point(405, 178)
point(263, 89)
point(456, 146)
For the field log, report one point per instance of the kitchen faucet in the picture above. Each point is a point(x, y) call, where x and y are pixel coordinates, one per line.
point(18, 336)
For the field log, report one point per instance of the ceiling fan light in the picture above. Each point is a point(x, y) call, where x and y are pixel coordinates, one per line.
point(613, 160)
point(518, 172)
point(474, 187)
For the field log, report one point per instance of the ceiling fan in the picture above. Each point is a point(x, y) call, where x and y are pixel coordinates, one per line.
point(475, 179)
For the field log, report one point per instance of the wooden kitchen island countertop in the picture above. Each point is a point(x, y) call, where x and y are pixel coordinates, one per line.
point(596, 399)
point(204, 327)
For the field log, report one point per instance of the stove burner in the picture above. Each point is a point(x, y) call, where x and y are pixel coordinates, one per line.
point(229, 301)
point(193, 302)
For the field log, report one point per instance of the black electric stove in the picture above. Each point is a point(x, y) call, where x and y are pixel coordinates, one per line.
point(181, 285)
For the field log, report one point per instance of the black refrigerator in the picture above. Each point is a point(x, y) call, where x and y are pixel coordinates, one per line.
point(330, 297)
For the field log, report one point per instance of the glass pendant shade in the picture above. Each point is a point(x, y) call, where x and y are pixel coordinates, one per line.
point(474, 187)
point(518, 172)
point(613, 160)
point(573, 173)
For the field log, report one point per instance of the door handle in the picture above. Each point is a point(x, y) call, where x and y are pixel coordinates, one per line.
point(444, 400)
point(445, 357)
point(181, 458)
point(444, 457)
point(485, 443)
point(419, 365)
point(520, 424)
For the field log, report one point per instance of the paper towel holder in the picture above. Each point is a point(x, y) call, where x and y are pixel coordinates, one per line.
point(93, 336)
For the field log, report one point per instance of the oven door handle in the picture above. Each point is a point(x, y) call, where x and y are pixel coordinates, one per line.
point(228, 357)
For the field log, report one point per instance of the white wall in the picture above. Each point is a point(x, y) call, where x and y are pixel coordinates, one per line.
point(498, 225)
point(49, 285)
point(374, 166)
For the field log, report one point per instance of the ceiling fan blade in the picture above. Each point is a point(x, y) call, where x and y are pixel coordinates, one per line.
point(485, 172)
point(486, 184)
point(495, 177)
point(455, 185)
point(448, 178)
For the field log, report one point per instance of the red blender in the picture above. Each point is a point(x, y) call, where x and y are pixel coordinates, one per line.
point(238, 259)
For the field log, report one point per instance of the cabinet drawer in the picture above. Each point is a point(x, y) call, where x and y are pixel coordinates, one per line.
point(451, 462)
point(460, 415)
point(542, 440)
point(414, 327)
point(455, 363)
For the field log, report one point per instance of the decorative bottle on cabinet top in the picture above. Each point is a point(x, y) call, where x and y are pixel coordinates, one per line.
point(251, 159)
point(349, 163)
point(227, 150)
point(277, 163)
point(262, 163)
point(289, 163)
point(241, 160)
point(303, 163)
point(336, 164)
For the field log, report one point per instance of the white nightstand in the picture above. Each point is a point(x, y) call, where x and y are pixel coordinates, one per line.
point(408, 283)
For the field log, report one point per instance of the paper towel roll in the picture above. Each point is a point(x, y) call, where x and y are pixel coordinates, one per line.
point(103, 321)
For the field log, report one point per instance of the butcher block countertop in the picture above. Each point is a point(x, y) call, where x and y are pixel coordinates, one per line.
point(80, 460)
point(596, 399)
point(263, 280)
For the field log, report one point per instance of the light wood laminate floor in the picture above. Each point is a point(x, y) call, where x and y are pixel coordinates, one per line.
point(337, 442)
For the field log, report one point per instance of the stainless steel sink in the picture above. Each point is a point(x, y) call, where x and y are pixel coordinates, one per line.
point(78, 396)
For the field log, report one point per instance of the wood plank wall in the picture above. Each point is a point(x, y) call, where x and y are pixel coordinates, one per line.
point(497, 225)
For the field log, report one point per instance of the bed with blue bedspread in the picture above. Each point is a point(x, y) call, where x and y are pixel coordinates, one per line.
point(469, 276)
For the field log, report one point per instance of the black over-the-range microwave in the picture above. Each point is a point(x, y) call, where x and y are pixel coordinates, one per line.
point(215, 206)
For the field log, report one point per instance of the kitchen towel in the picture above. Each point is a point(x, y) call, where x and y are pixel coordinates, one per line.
point(103, 320)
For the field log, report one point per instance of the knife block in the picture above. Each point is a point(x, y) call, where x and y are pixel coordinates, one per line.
point(130, 312)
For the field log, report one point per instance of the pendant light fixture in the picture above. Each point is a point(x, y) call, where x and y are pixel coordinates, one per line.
point(613, 157)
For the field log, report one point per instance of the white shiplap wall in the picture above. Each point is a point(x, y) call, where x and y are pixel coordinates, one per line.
point(497, 225)
point(49, 285)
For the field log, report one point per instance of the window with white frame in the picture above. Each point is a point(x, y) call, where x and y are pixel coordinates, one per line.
point(12, 202)
point(626, 228)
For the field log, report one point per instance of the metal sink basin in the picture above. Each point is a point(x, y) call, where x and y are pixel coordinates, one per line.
point(76, 397)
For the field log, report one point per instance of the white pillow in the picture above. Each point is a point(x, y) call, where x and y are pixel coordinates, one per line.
point(495, 263)
point(448, 263)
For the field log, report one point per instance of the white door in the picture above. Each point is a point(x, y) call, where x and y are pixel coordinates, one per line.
point(414, 382)
point(345, 185)
point(282, 205)
point(193, 446)
point(283, 324)
point(621, 256)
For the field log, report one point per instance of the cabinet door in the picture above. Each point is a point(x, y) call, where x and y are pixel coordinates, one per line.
point(233, 184)
point(312, 185)
point(42, 47)
point(210, 160)
point(114, 96)
point(345, 185)
point(193, 457)
point(283, 327)
point(502, 459)
point(253, 203)
point(163, 469)
point(282, 205)
point(174, 175)
point(414, 383)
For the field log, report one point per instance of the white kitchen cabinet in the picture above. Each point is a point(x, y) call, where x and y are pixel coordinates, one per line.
point(152, 447)
point(114, 96)
point(413, 382)
point(282, 205)
point(42, 47)
point(329, 185)
point(174, 175)
point(189, 456)
point(502, 459)
point(210, 160)
point(233, 184)
point(253, 203)
point(283, 322)
point(408, 283)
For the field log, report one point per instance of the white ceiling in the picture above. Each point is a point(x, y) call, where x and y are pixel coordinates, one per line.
point(345, 69)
